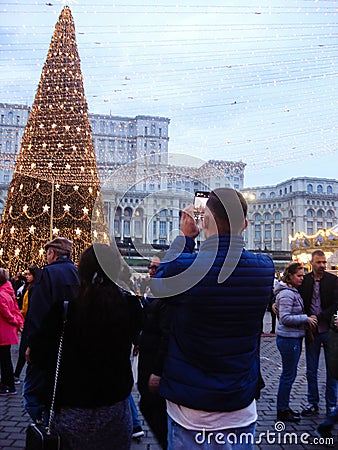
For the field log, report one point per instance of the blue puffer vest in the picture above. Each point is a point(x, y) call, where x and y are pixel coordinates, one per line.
point(213, 355)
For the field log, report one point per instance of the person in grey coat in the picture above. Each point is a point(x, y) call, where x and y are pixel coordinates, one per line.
point(290, 332)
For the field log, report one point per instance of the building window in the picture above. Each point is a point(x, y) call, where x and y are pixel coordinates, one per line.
point(319, 189)
point(160, 132)
point(258, 232)
point(257, 217)
point(116, 226)
point(309, 226)
point(329, 190)
point(278, 231)
point(137, 227)
point(267, 231)
point(278, 216)
point(267, 216)
point(153, 129)
point(126, 228)
point(154, 227)
point(262, 195)
point(290, 189)
point(329, 214)
point(163, 228)
point(309, 213)
point(320, 213)
point(145, 130)
point(272, 195)
point(309, 188)
point(319, 226)
point(328, 224)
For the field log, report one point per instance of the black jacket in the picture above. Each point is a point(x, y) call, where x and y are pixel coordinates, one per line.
point(328, 295)
point(95, 366)
point(54, 284)
point(154, 337)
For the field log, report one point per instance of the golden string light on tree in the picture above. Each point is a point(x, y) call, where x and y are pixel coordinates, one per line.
point(55, 188)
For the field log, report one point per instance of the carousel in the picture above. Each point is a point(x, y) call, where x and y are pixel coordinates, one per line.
point(302, 246)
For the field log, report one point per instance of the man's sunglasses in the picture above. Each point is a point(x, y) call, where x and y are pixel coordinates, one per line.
point(152, 267)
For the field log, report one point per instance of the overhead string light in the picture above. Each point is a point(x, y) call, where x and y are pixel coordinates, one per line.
point(55, 189)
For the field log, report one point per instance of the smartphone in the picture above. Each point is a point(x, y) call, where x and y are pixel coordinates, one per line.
point(200, 200)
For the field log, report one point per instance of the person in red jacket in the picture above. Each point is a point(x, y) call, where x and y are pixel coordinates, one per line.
point(11, 321)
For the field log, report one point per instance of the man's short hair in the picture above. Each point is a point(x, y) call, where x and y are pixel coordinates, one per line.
point(317, 253)
point(223, 202)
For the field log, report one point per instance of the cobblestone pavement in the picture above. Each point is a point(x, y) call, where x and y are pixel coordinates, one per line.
point(14, 420)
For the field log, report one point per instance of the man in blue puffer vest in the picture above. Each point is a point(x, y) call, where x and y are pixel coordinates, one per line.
point(211, 373)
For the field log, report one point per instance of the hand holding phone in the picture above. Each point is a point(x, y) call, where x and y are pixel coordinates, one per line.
point(188, 225)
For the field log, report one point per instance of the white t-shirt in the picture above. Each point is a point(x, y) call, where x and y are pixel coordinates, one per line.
point(193, 419)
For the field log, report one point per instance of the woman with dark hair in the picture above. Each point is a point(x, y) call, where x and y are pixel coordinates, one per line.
point(92, 407)
point(290, 333)
point(30, 275)
point(11, 321)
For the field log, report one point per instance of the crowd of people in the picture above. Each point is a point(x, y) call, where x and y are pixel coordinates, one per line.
point(195, 323)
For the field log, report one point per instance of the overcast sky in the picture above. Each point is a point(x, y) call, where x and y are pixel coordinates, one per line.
point(252, 81)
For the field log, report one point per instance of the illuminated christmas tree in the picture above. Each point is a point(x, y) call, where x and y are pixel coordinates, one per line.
point(55, 189)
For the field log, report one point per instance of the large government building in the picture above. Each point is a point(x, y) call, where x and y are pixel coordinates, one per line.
point(279, 211)
point(144, 186)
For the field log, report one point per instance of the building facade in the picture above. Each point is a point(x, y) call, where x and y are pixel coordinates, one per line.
point(299, 204)
point(143, 187)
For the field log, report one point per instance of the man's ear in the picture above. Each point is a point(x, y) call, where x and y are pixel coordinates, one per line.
point(244, 225)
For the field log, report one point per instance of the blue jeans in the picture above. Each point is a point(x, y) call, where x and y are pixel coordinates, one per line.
point(290, 350)
point(331, 418)
point(179, 438)
point(134, 412)
point(33, 389)
point(312, 360)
